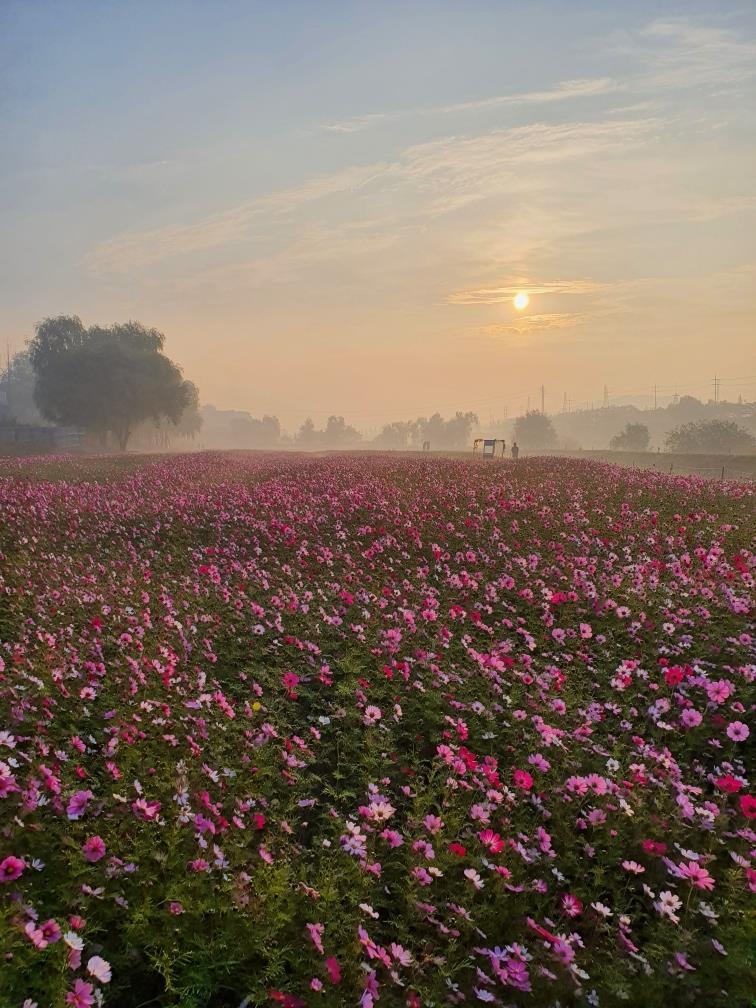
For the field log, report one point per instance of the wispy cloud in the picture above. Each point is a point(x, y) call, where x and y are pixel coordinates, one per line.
point(433, 178)
point(682, 53)
point(564, 91)
point(134, 249)
point(528, 325)
point(495, 295)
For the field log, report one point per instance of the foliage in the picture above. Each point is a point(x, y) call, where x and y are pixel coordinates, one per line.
point(17, 381)
point(105, 380)
point(284, 730)
point(397, 436)
point(535, 431)
point(337, 434)
point(634, 437)
point(456, 432)
point(710, 436)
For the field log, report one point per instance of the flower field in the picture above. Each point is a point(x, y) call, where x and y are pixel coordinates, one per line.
point(359, 731)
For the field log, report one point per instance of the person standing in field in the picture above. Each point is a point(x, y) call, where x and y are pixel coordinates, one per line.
point(515, 450)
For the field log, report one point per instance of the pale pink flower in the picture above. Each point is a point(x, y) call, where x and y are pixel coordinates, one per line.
point(99, 968)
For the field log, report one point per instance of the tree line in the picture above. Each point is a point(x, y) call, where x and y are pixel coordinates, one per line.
point(116, 384)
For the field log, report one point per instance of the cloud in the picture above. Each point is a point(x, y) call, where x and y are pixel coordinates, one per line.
point(433, 179)
point(681, 53)
point(133, 249)
point(495, 295)
point(528, 325)
point(565, 90)
point(317, 245)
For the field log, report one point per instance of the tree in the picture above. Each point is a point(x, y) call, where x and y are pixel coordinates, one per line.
point(716, 436)
point(190, 423)
point(17, 380)
point(307, 436)
point(453, 433)
point(396, 436)
point(105, 380)
point(535, 430)
point(338, 433)
point(634, 437)
point(459, 429)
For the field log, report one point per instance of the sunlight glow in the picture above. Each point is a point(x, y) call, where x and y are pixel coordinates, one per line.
point(521, 301)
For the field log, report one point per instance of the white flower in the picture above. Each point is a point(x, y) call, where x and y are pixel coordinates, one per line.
point(473, 876)
point(601, 909)
point(668, 905)
point(73, 941)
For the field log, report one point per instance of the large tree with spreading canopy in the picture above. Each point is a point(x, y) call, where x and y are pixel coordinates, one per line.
point(105, 380)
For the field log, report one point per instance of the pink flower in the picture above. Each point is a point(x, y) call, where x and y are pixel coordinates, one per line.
point(99, 968)
point(737, 731)
point(696, 875)
point(433, 824)
point(571, 905)
point(316, 935)
point(51, 931)
point(522, 780)
point(691, 718)
point(93, 848)
point(82, 995)
point(392, 838)
point(77, 804)
point(490, 839)
point(146, 810)
point(334, 970)
point(633, 867)
point(35, 936)
point(11, 868)
point(176, 907)
point(472, 876)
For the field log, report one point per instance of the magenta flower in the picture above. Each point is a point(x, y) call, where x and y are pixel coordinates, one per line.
point(77, 804)
point(93, 848)
point(523, 780)
point(11, 868)
point(82, 995)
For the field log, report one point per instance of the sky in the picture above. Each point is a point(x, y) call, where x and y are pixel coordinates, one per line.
point(328, 207)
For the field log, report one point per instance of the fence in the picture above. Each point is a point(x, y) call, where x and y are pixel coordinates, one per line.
point(714, 472)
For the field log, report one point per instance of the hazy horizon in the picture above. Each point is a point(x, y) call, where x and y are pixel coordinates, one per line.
point(328, 209)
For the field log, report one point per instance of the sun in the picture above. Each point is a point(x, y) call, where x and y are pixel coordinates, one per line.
point(521, 301)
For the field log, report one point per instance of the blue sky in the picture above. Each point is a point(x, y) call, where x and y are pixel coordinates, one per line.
point(328, 206)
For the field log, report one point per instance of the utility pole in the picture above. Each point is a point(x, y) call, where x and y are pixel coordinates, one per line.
point(528, 409)
point(716, 389)
point(542, 399)
point(7, 375)
point(564, 403)
point(606, 396)
point(654, 396)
